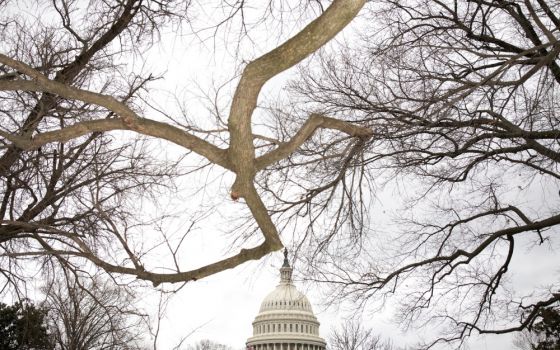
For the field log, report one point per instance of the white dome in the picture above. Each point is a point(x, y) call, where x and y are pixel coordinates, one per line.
point(286, 297)
point(285, 319)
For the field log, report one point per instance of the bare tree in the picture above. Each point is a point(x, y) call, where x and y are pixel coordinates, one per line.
point(208, 345)
point(354, 336)
point(75, 121)
point(94, 315)
point(463, 97)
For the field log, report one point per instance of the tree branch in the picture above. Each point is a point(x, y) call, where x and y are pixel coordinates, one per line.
point(307, 130)
point(128, 119)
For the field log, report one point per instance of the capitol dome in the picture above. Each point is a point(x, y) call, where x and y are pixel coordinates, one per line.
point(285, 320)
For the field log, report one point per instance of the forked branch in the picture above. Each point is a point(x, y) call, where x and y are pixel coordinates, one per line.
point(239, 158)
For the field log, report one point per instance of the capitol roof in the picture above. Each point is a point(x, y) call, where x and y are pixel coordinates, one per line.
point(286, 297)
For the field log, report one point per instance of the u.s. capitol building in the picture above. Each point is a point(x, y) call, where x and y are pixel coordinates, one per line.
point(285, 320)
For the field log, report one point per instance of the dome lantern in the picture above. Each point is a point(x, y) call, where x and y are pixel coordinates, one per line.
point(286, 270)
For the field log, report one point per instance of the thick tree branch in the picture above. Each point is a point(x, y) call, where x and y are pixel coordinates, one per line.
point(259, 71)
point(128, 11)
point(239, 157)
point(128, 119)
point(243, 256)
point(306, 131)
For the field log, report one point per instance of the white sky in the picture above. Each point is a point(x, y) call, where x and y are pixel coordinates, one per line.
point(222, 307)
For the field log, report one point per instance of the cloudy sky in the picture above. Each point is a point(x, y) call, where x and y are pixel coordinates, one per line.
point(222, 307)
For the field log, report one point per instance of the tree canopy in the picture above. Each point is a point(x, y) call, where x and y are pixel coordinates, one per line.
point(462, 97)
point(206, 344)
point(92, 315)
point(352, 335)
point(65, 94)
point(548, 330)
point(450, 105)
point(23, 326)
point(544, 334)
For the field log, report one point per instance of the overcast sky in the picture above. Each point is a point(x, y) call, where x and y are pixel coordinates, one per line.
point(222, 307)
